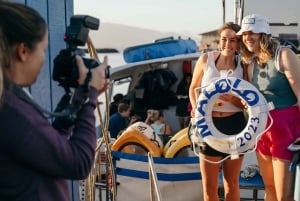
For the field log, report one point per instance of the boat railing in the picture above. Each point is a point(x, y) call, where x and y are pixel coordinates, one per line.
point(154, 189)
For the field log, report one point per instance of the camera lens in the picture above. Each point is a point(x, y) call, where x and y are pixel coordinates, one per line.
point(107, 72)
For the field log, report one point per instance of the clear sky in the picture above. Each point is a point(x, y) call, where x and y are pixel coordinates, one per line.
point(189, 17)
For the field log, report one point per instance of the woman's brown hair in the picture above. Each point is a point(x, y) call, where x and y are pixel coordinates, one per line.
point(229, 25)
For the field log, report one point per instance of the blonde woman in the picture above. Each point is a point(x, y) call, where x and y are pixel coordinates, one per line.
point(275, 71)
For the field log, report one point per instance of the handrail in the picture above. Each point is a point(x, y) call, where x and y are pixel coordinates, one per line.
point(153, 179)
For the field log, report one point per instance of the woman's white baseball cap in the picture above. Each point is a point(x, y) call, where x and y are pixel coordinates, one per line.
point(255, 23)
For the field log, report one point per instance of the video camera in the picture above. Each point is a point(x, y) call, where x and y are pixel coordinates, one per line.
point(65, 70)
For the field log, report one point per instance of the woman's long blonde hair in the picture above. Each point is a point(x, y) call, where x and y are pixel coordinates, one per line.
point(267, 46)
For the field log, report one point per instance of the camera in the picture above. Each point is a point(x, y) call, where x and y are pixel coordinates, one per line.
point(65, 70)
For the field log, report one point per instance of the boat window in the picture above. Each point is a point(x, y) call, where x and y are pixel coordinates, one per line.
point(121, 86)
point(118, 86)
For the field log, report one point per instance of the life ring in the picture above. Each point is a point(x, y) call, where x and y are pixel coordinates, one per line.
point(147, 131)
point(257, 120)
point(177, 143)
point(174, 139)
point(135, 142)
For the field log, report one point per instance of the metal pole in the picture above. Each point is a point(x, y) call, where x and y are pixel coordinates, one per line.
point(238, 11)
point(223, 7)
point(297, 184)
point(153, 179)
point(236, 7)
point(241, 14)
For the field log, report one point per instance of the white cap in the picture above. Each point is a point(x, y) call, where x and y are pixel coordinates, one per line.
point(255, 23)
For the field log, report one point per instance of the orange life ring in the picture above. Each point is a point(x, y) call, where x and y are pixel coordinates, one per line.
point(131, 137)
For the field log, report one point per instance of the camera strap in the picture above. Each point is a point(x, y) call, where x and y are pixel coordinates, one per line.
point(73, 108)
point(64, 108)
point(24, 94)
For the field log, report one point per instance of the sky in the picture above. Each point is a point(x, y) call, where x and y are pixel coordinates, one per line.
point(188, 17)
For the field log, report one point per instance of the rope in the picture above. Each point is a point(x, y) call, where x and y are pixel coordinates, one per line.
point(95, 174)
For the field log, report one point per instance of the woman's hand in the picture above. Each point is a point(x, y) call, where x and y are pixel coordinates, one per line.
point(98, 80)
point(192, 113)
point(232, 99)
point(227, 97)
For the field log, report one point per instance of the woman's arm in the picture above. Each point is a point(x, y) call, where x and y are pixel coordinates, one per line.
point(196, 81)
point(290, 64)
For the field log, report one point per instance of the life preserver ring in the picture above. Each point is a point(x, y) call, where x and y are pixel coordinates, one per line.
point(177, 143)
point(174, 139)
point(257, 108)
point(134, 137)
point(147, 131)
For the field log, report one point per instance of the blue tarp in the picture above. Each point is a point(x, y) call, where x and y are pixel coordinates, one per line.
point(159, 49)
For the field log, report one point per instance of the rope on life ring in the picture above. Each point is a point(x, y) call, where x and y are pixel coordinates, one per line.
point(257, 120)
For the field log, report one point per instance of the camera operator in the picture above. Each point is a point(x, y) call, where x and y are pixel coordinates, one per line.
point(36, 159)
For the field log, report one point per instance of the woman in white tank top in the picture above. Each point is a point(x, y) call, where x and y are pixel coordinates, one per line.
point(226, 110)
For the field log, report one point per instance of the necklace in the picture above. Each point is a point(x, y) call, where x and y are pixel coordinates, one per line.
point(263, 70)
point(263, 74)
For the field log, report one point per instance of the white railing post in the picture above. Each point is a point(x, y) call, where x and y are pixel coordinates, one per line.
point(153, 180)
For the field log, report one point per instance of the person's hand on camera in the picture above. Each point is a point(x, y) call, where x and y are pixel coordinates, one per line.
point(98, 80)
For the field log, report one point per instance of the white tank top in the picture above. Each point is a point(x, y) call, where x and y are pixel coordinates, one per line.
point(211, 73)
